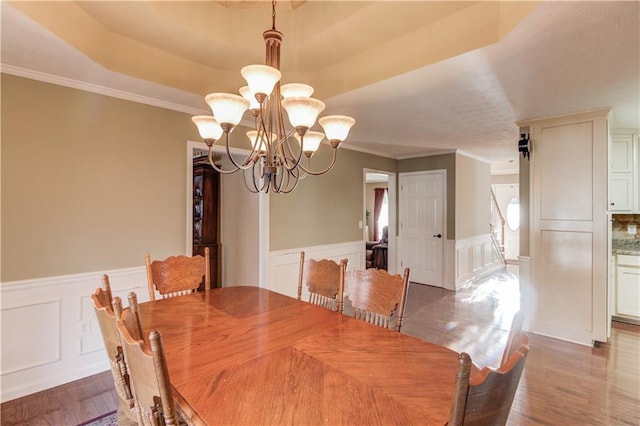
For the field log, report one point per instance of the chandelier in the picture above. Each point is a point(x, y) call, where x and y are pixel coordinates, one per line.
point(280, 155)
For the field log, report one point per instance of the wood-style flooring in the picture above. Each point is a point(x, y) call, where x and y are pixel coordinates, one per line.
point(563, 383)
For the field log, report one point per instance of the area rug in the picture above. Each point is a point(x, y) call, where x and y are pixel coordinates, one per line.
point(109, 419)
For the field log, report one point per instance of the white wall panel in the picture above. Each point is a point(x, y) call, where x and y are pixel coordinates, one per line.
point(284, 265)
point(475, 257)
point(30, 335)
point(58, 339)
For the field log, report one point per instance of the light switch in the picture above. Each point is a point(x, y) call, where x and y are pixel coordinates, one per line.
point(360, 224)
point(632, 229)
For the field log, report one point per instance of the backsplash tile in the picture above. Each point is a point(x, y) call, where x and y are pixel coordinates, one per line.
point(621, 239)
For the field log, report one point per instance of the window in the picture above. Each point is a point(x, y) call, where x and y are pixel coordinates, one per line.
point(513, 214)
point(383, 219)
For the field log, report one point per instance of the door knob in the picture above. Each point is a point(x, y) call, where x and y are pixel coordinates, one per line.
point(438, 236)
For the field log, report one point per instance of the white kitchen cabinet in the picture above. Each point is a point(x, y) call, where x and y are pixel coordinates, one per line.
point(628, 285)
point(624, 176)
point(621, 197)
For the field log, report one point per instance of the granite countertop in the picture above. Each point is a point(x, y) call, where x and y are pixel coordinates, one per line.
point(626, 247)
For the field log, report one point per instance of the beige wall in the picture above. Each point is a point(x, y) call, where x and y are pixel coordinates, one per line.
point(505, 179)
point(324, 209)
point(438, 162)
point(89, 182)
point(473, 183)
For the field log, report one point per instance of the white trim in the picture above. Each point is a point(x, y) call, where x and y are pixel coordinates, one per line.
point(346, 145)
point(431, 153)
point(101, 90)
point(472, 156)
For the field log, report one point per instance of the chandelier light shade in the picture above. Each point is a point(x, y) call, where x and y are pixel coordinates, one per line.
point(296, 90)
point(227, 108)
point(208, 127)
point(337, 127)
point(302, 112)
point(311, 142)
point(276, 161)
point(260, 78)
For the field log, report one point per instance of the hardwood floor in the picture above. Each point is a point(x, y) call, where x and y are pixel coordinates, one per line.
point(562, 384)
point(69, 404)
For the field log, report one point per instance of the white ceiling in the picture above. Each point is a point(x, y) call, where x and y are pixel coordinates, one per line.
point(565, 57)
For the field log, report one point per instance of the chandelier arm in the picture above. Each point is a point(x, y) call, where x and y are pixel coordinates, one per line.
point(281, 185)
point(255, 189)
point(288, 152)
point(313, 173)
point(246, 163)
point(294, 184)
point(216, 168)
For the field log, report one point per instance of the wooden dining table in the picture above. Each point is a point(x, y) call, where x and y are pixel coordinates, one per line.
point(250, 356)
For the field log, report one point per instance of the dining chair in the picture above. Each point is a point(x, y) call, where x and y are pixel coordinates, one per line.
point(178, 275)
point(104, 306)
point(148, 372)
point(376, 295)
point(486, 397)
point(324, 280)
point(514, 338)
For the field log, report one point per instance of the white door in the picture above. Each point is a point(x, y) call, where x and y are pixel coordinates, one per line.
point(422, 225)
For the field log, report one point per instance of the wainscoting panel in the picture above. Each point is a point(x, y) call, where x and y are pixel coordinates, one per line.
point(49, 330)
point(32, 344)
point(475, 257)
point(284, 265)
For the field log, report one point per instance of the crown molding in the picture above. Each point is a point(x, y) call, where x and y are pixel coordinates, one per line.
point(472, 156)
point(101, 90)
point(432, 153)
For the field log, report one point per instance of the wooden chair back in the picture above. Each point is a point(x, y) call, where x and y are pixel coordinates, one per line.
point(104, 306)
point(375, 295)
point(324, 280)
point(178, 275)
point(486, 398)
point(514, 338)
point(154, 404)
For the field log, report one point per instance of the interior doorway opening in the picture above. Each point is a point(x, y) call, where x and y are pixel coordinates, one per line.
point(379, 230)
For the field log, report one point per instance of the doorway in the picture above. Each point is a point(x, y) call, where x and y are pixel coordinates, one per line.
point(385, 183)
point(507, 197)
point(244, 219)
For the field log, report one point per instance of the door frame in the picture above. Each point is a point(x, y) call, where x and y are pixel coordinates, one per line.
point(392, 250)
point(263, 214)
point(446, 261)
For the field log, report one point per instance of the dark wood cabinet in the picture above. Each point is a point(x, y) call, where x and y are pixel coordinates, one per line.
point(206, 216)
